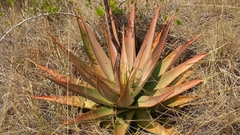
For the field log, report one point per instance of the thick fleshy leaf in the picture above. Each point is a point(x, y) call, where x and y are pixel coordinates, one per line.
point(113, 43)
point(84, 71)
point(145, 121)
point(150, 64)
point(86, 92)
point(102, 59)
point(111, 34)
point(126, 98)
point(111, 48)
point(69, 100)
point(156, 39)
point(122, 122)
point(150, 101)
point(93, 116)
point(130, 40)
point(109, 85)
point(62, 77)
point(114, 29)
point(145, 50)
point(177, 101)
point(183, 77)
point(88, 75)
point(178, 89)
point(159, 47)
point(80, 65)
point(124, 71)
point(170, 75)
point(167, 62)
point(86, 43)
point(106, 91)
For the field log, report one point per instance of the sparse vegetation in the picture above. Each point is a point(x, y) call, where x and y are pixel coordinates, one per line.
point(215, 112)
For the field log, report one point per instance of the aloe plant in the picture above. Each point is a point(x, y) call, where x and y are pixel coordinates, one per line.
point(125, 86)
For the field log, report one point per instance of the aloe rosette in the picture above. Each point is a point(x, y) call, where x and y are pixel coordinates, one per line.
point(125, 86)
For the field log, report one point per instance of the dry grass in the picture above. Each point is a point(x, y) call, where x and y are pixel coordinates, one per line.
point(215, 112)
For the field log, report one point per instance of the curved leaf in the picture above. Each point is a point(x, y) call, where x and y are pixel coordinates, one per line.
point(167, 62)
point(115, 34)
point(183, 77)
point(86, 92)
point(145, 121)
point(177, 101)
point(106, 91)
point(86, 42)
point(150, 64)
point(170, 75)
point(124, 65)
point(111, 33)
point(93, 116)
point(110, 86)
point(61, 77)
point(101, 57)
point(69, 100)
point(80, 65)
point(178, 89)
point(145, 50)
point(122, 122)
point(126, 98)
point(150, 101)
point(130, 39)
point(145, 53)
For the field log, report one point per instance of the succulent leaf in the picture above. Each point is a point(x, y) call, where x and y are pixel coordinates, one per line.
point(113, 26)
point(112, 38)
point(156, 53)
point(102, 59)
point(167, 62)
point(170, 75)
point(122, 122)
point(86, 42)
point(61, 77)
point(106, 91)
point(130, 40)
point(126, 98)
point(70, 100)
point(177, 101)
point(145, 50)
point(159, 47)
point(124, 67)
point(145, 121)
point(150, 64)
point(183, 77)
point(80, 65)
point(89, 93)
point(157, 38)
point(93, 116)
point(150, 101)
point(178, 89)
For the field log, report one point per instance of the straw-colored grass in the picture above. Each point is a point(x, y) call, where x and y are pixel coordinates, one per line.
point(215, 112)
